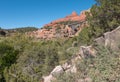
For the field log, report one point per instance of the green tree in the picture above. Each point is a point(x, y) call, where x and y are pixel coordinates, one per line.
point(105, 14)
point(8, 56)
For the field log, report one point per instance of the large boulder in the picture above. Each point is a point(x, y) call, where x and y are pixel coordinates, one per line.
point(110, 39)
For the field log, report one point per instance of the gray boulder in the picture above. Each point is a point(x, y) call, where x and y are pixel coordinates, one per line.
point(57, 71)
point(110, 39)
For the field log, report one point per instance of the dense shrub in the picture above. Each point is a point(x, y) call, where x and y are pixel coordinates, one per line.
point(8, 56)
point(24, 29)
point(37, 58)
point(105, 14)
point(103, 68)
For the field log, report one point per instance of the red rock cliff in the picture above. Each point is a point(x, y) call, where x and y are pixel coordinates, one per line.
point(55, 29)
point(73, 17)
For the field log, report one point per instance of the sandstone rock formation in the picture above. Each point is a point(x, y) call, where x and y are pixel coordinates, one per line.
point(64, 27)
point(73, 17)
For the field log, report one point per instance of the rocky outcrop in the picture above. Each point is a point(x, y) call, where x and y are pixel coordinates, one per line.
point(73, 17)
point(70, 65)
point(62, 28)
point(110, 39)
point(57, 71)
point(60, 31)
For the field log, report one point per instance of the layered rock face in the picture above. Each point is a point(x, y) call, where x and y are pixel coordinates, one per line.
point(73, 17)
point(64, 27)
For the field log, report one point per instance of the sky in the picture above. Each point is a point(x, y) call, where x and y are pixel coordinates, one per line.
point(37, 13)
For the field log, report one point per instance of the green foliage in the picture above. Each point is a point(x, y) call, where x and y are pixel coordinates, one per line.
point(85, 36)
point(88, 34)
point(23, 59)
point(70, 77)
point(103, 68)
point(26, 29)
point(36, 58)
point(8, 56)
point(23, 29)
point(105, 15)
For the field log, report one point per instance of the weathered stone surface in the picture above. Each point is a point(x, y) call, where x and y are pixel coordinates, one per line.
point(86, 52)
point(74, 13)
point(61, 31)
point(81, 80)
point(66, 66)
point(58, 70)
point(56, 29)
point(48, 78)
point(100, 41)
point(73, 17)
point(88, 79)
point(110, 39)
point(73, 69)
point(85, 80)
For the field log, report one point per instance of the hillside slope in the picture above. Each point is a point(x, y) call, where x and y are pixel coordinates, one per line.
point(62, 28)
point(93, 56)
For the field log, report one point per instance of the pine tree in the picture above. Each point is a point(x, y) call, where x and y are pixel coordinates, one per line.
point(105, 14)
